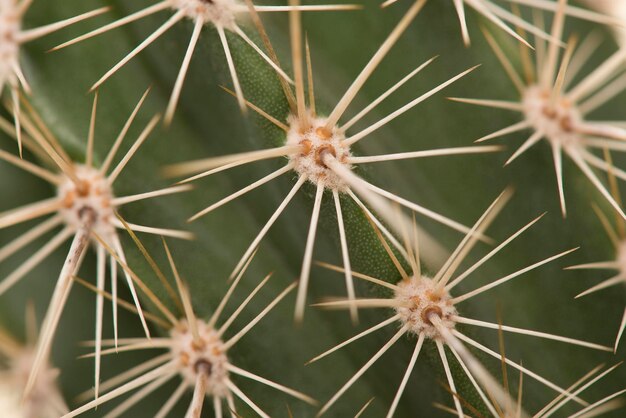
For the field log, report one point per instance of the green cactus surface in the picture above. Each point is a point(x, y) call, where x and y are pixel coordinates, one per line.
point(209, 123)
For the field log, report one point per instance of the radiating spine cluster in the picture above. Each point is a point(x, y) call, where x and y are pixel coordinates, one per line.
point(321, 150)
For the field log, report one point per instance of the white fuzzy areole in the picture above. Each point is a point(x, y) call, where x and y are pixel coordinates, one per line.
point(419, 298)
point(94, 195)
point(41, 402)
point(218, 12)
point(315, 141)
point(557, 122)
point(10, 27)
point(210, 355)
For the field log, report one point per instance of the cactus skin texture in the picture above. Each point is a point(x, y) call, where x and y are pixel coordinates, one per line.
point(208, 122)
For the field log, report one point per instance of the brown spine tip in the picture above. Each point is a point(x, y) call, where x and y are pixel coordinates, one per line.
point(83, 188)
point(324, 133)
point(566, 124)
point(198, 345)
point(321, 152)
point(549, 112)
point(306, 146)
point(68, 200)
point(203, 366)
point(431, 310)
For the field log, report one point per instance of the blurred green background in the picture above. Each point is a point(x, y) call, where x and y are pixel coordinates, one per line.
point(208, 123)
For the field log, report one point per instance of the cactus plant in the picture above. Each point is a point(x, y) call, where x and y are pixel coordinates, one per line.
point(209, 124)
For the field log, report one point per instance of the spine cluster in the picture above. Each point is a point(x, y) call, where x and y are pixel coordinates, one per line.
point(424, 300)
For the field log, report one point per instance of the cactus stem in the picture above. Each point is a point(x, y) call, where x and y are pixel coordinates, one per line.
point(197, 353)
point(425, 308)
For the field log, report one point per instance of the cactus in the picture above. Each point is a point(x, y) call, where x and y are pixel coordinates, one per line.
point(280, 111)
